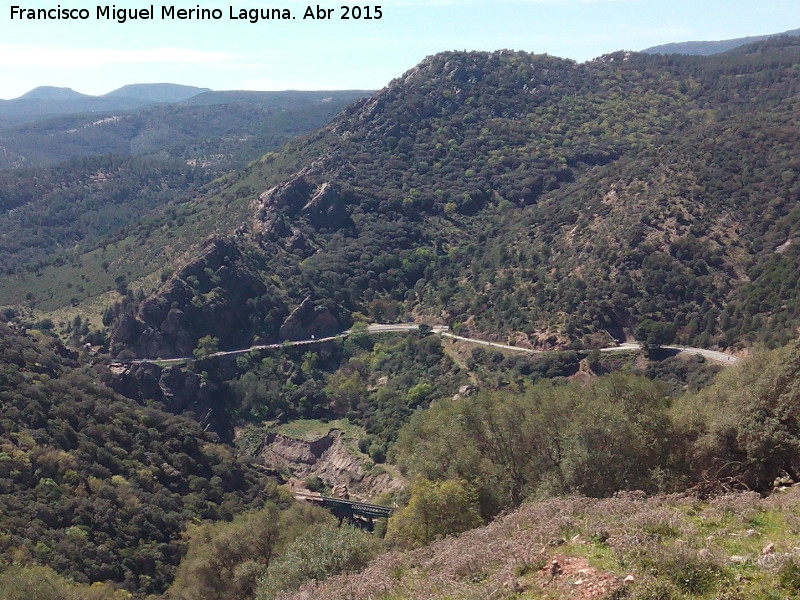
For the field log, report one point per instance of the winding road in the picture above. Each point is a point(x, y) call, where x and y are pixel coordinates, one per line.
point(440, 330)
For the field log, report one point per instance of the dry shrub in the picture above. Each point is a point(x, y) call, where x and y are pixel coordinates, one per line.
point(740, 506)
point(491, 562)
point(655, 589)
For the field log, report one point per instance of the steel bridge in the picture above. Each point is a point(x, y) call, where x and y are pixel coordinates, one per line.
point(350, 509)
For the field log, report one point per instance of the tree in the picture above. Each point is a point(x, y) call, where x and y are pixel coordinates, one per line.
point(655, 333)
point(435, 509)
point(612, 434)
point(206, 346)
point(744, 430)
point(225, 560)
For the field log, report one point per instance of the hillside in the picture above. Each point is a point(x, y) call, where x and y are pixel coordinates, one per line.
point(562, 473)
point(732, 546)
point(222, 129)
point(532, 199)
point(115, 172)
point(514, 197)
point(97, 486)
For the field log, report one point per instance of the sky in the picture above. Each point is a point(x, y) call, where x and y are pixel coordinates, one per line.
point(95, 56)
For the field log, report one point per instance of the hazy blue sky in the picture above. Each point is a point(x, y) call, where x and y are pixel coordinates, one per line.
point(95, 57)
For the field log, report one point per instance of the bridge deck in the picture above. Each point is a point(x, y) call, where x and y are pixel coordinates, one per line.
point(351, 507)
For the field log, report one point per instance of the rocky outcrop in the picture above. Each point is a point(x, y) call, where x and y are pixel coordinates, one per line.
point(284, 211)
point(179, 391)
point(326, 209)
point(137, 382)
point(284, 452)
point(216, 294)
point(309, 320)
point(277, 204)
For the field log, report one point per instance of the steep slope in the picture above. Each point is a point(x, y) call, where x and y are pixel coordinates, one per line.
point(97, 486)
point(539, 200)
point(737, 546)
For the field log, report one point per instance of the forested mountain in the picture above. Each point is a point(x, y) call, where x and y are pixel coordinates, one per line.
point(114, 172)
point(95, 485)
point(217, 128)
point(529, 197)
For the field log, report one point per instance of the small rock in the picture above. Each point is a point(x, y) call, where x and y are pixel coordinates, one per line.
point(750, 533)
point(555, 568)
point(769, 561)
point(738, 559)
point(768, 549)
point(628, 580)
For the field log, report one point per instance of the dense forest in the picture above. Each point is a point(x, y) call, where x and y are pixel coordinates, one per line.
point(99, 487)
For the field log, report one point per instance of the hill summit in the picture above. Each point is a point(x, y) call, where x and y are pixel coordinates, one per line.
point(157, 92)
point(52, 93)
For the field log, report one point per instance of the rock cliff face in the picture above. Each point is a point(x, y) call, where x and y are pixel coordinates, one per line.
point(217, 294)
point(309, 320)
point(329, 459)
point(282, 211)
point(177, 389)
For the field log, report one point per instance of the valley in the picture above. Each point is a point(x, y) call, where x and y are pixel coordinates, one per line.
point(545, 310)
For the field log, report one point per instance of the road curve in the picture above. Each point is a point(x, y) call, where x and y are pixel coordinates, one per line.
point(440, 330)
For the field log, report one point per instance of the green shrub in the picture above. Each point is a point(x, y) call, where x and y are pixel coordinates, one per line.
point(789, 576)
point(315, 484)
point(318, 554)
point(435, 509)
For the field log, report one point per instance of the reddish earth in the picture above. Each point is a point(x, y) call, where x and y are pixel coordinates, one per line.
point(572, 577)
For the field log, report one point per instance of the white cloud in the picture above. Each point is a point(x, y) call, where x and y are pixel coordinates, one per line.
point(18, 55)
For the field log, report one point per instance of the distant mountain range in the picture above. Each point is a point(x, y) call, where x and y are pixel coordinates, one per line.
point(157, 92)
point(712, 47)
point(48, 101)
point(239, 125)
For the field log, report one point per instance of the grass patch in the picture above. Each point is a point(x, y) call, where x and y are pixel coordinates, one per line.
point(309, 430)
